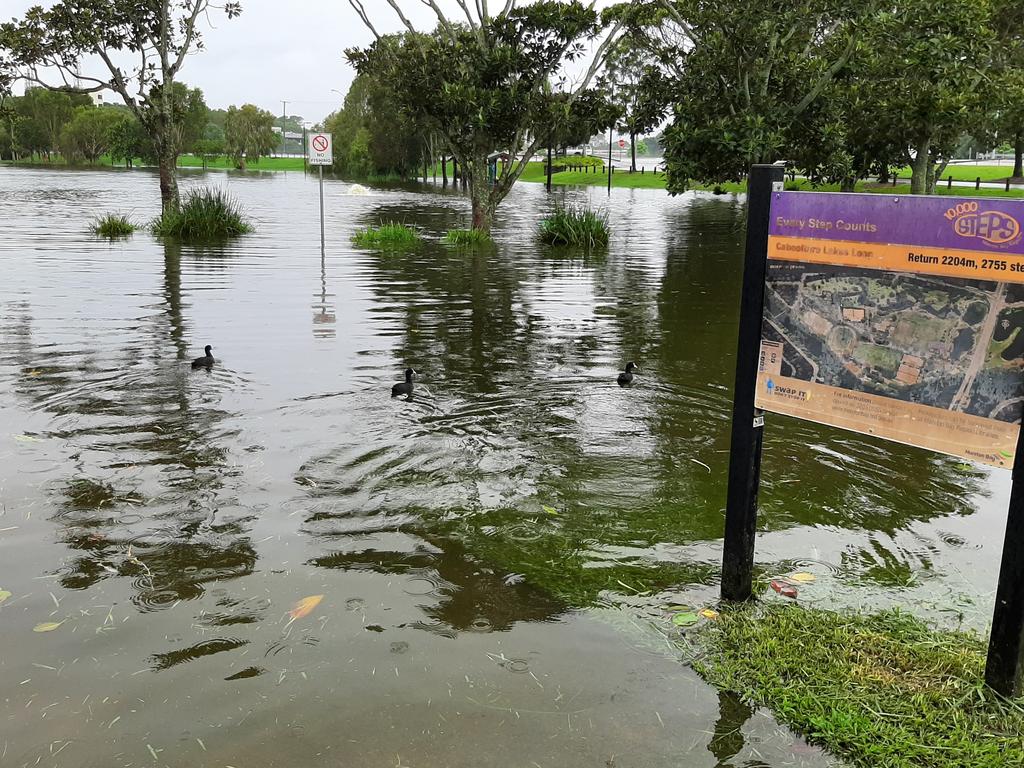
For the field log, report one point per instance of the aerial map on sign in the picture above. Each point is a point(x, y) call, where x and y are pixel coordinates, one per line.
point(951, 343)
point(899, 317)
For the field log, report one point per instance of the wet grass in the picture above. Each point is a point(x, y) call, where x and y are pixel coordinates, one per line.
point(467, 237)
point(881, 691)
point(388, 234)
point(113, 225)
point(583, 227)
point(204, 215)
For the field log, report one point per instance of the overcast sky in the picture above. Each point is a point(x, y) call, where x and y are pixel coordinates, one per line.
point(278, 50)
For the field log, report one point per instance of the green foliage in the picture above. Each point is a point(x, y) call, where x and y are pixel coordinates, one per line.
point(575, 226)
point(372, 137)
point(249, 133)
point(484, 87)
point(388, 234)
point(467, 237)
point(128, 140)
point(139, 48)
point(113, 225)
point(88, 133)
point(40, 117)
point(204, 215)
point(880, 691)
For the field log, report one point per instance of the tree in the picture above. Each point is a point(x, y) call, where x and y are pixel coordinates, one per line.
point(249, 133)
point(483, 85)
point(155, 35)
point(46, 114)
point(931, 92)
point(88, 133)
point(211, 145)
point(742, 77)
point(638, 88)
point(128, 140)
point(1008, 21)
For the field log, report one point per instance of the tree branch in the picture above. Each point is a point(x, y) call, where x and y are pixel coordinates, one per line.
point(357, 6)
point(190, 31)
point(828, 75)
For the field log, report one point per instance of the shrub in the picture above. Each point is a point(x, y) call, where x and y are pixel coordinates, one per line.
point(389, 233)
point(467, 237)
point(204, 214)
point(113, 225)
point(575, 226)
point(561, 163)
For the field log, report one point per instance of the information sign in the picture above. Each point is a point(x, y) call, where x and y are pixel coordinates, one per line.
point(897, 316)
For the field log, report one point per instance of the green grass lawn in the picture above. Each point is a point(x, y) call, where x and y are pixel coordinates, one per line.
point(880, 691)
point(226, 163)
point(962, 172)
point(649, 180)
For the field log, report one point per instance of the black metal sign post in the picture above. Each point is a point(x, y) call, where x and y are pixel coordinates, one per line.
point(1004, 669)
point(745, 447)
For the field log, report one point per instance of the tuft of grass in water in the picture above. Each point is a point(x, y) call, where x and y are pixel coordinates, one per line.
point(113, 225)
point(881, 691)
point(575, 226)
point(204, 215)
point(467, 237)
point(389, 233)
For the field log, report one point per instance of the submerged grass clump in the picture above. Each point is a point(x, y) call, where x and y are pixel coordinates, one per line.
point(113, 225)
point(467, 237)
point(389, 233)
point(204, 214)
point(884, 691)
point(583, 227)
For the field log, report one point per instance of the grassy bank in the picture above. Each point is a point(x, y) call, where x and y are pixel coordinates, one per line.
point(881, 691)
point(227, 164)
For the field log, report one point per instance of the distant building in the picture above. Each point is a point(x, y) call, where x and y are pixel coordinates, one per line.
point(854, 314)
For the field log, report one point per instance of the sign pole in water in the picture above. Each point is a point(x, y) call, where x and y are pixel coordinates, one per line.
point(320, 152)
point(900, 317)
point(745, 447)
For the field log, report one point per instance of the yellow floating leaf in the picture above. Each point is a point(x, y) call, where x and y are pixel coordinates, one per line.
point(709, 614)
point(26, 439)
point(802, 578)
point(305, 606)
point(47, 626)
point(34, 373)
point(4, 594)
point(549, 510)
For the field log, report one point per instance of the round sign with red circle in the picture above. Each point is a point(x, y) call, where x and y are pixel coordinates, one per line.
point(320, 143)
point(622, 143)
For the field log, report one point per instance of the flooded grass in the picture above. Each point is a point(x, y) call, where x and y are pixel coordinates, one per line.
point(113, 225)
point(467, 237)
point(881, 691)
point(204, 215)
point(582, 227)
point(389, 233)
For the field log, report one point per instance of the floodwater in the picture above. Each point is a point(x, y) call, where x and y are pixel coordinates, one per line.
point(494, 555)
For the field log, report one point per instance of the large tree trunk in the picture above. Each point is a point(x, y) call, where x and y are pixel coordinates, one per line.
point(444, 170)
point(480, 195)
point(167, 161)
point(848, 184)
point(632, 151)
point(1018, 156)
point(919, 169)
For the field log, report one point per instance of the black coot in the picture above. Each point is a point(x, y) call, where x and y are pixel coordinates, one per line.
point(626, 377)
point(205, 361)
point(405, 387)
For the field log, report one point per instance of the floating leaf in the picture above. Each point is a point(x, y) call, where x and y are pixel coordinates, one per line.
point(26, 439)
point(549, 510)
point(305, 606)
point(784, 589)
point(4, 594)
point(685, 619)
point(47, 626)
point(802, 577)
point(709, 613)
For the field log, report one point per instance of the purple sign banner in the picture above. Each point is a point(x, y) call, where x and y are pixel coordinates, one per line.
point(961, 223)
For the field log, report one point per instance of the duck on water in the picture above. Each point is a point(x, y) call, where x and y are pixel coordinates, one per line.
point(404, 387)
point(206, 361)
point(626, 377)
